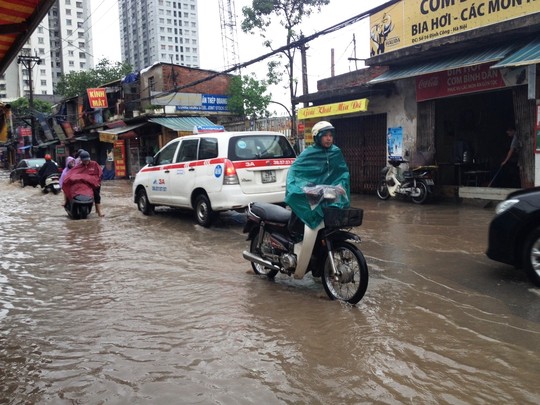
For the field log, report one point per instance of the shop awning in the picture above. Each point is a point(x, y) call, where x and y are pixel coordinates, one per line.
point(18, 20)
point(528, 55)
point(45, 144)
point(111, 134)
point(445, 63)
point(182, 123)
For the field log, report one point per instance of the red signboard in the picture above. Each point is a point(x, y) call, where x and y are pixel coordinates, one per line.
point(119, 153)
point(465, 80)
point(97, 98)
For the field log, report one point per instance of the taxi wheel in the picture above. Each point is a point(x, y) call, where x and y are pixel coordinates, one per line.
point(143, 204)
point(203, 211)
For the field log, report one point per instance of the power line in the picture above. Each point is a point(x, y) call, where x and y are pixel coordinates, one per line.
point(294, 44)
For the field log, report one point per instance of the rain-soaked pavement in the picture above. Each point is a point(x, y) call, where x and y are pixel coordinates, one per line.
point(130, 309)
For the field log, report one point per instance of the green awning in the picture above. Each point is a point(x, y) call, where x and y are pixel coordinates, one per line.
point(528, 55)
point(182, 123)
point(445, 63)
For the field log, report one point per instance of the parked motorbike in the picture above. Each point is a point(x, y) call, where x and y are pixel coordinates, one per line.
point(281, 243)
point(417, 183)
point(52, 184)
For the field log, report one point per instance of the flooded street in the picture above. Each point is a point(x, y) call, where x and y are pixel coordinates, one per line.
point(130, 309)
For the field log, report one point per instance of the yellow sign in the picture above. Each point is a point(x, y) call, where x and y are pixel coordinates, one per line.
point(345, 107)
point(107, 137)
point(411, 22)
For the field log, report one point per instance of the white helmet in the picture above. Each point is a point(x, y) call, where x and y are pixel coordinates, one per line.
point(320, 128)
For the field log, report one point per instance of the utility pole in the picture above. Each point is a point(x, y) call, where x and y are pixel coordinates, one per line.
point(29, 61)
point(303, 49)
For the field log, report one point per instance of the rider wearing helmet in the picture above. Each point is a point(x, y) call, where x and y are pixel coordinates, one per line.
point(320, 164)
point(92, 173)
point(48, 168)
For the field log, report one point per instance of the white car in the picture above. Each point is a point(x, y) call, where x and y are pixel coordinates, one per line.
point(215, 172)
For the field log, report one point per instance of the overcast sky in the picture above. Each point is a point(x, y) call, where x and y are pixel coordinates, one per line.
point(106, 36)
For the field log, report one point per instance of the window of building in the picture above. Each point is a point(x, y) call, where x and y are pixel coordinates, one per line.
point(68, 22)
point(71, 53)
point(68, 11)
point(82, 65)
point(71, 63)
point(43, 82)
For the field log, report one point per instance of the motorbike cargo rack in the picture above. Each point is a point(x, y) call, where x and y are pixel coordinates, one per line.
point(342, 217)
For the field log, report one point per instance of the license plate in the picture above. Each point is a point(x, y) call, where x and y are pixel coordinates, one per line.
point(268, 176)
point(429, 182)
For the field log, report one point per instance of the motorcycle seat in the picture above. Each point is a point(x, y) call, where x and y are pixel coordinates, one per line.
point(271, 212)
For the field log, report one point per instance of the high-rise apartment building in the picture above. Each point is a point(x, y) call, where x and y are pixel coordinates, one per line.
point(159, 31)
point(63, 42)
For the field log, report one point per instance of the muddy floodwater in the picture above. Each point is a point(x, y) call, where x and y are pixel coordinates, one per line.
point(129, 309)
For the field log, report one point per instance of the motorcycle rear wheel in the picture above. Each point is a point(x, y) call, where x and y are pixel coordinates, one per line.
point(257, 268)
point(382, 190)
point(350, 284)
point(422, 197)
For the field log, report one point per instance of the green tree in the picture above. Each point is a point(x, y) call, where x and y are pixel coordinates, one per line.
point(76, 83)
point(21, 107)
point(247, 97)
point(290, 13)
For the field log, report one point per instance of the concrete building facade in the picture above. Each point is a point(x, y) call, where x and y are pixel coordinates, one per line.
point(159, 31)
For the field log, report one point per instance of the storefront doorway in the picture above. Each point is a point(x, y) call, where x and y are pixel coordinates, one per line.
point(363, 142)
point(470, 137)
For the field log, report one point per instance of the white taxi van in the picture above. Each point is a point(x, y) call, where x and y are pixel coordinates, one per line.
point(215, 172)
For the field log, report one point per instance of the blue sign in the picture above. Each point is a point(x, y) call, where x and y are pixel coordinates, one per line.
point(218, 171)
point(210, 102)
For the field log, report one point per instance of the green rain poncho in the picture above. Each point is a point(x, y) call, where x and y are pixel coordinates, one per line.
point(316, 166)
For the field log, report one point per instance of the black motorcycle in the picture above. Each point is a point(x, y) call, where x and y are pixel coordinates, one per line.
point(281, 243)
point(80, 206)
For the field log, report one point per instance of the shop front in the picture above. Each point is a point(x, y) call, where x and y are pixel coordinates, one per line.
point(474, 79)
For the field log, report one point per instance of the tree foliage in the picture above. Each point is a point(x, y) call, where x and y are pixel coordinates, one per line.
point(247, 97)
point(76, 83)
point(21, 107)
point(290, 14)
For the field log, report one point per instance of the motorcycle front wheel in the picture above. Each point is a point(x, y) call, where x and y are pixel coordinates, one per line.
point(382, 190)
point(351, 281)
point(257, 268)
point(422, 193)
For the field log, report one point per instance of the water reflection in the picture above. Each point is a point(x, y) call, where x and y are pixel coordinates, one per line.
point(135, 309)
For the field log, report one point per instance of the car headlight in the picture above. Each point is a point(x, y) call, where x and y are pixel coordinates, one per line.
point(505, 205)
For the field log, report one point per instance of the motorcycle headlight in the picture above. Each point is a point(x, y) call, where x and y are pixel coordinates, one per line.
point(505, 205)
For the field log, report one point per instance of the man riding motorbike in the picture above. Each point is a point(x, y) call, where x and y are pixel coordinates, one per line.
point(322, 163)
point(48, 168)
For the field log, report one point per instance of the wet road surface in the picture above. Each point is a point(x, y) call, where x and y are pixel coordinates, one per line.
point(130, 309)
